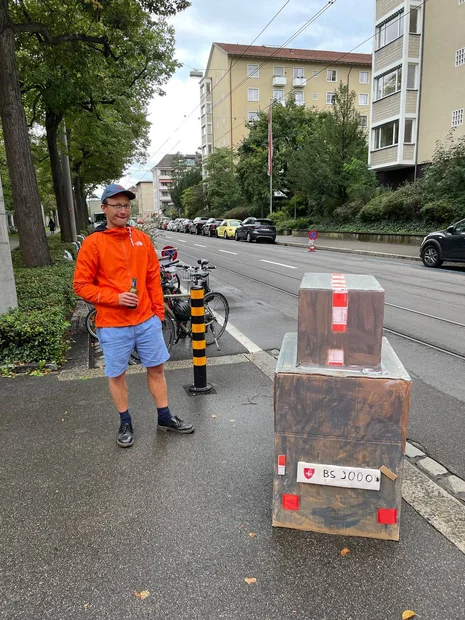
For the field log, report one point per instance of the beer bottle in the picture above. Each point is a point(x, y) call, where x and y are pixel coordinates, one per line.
point(134, 290)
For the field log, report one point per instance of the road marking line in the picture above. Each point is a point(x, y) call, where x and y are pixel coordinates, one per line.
point(226, 252)
point(434, 504)
point(166, 237)
point(280, 264)
point(182, 241)
point(200, 246)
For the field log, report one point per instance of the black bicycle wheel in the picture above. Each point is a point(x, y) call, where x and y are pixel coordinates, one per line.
point(216, 316)
point(90, 323)
point(169, 332)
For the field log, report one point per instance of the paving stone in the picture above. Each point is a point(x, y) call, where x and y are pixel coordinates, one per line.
point(456, 485)
point(433, 468)
point(412, 452)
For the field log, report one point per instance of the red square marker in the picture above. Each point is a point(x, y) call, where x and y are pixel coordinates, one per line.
point(387, 516)
point(340, 300)
point(290, 502)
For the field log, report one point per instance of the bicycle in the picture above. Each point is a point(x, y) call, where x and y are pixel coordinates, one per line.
point(177, 322)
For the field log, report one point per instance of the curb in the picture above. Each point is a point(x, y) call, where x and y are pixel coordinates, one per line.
point(350, 251)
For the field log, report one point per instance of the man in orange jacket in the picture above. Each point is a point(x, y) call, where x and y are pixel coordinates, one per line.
point(109, 261)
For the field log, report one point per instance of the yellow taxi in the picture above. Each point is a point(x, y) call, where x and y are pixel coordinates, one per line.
point(227, 228)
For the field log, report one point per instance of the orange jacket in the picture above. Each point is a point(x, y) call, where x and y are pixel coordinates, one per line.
point(106, 264)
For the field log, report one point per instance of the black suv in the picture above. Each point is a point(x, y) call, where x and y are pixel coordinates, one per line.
point(254, 228)
point(444, 245)
point(195, 227)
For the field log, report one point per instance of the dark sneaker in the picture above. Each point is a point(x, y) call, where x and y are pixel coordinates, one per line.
point(125, 437)
point(176, 425)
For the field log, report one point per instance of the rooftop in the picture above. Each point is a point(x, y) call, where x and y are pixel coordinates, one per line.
point(264, 51)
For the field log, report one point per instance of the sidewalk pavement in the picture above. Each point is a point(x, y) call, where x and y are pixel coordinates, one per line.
point(86, 524)
point(369, 248)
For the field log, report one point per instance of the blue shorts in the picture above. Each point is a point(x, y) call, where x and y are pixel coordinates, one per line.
point(119, 342)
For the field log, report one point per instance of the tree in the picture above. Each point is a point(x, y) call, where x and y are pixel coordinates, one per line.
point(71, 36)
point(222, 188)
point(185, 177)
point(193, 201)
point(292, 124)
point(321, 170)
point(445, 177)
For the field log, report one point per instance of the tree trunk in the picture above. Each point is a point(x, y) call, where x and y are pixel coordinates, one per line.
point(52, 124)
point(81, 204)
point(32, 238)
point(8, 299)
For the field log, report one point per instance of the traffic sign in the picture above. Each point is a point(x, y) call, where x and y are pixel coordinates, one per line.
point(169, 252)
point(312, 234)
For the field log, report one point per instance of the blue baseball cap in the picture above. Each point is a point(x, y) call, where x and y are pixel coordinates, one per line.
point(113, 189)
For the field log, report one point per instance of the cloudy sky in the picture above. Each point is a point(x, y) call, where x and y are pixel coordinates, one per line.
point(341, 28)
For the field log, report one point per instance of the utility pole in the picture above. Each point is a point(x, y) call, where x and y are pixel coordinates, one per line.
point(8, 299)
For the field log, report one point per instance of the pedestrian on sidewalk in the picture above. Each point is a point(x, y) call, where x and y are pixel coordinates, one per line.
point(51, 225)
point(112, 260)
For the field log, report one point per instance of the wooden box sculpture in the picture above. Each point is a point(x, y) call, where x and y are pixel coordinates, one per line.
point(341, 414)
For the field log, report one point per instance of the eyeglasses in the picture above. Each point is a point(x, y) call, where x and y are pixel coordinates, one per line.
point(119, 207)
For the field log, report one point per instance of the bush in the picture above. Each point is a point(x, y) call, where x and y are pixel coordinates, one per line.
point(33, 336)
point(374, 210)
point(285, 225)
point(348, 212)
point(440, 212)
point(405, 203)
point(238, 213)
point(301, 223)
point(36, 330)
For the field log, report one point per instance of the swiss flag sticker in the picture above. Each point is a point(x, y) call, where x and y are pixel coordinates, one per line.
point(308, 472)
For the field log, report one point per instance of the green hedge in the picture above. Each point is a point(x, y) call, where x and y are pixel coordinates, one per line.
point(37, 331)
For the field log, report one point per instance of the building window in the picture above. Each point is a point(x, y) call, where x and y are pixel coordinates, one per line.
point(457, 117)
point(315, 96)
point(209, 87)
point(388, 83)
point(386, 135)
point(331, 75)
point(363, 77)
point(253, 116)
point(330, 98)
point(278, 95)
point(209, 128)
point(461, 2)
point(252, 94)
point(278, 71)
point(390, 30)
point(209, 108)
point(210, 149)
point(412, 77)
point(363, 121)
point(414, 24)
point(299, 97)
point(317, 73)
point(202, 111)
point(253, 71)
point(363, 99)
point(298, 72)
point(408, 133)
point(460, 57)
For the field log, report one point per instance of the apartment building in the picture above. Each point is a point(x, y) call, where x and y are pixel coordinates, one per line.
point(240, 80)
point(144, 197)
point(162, 176)
point(418, 83)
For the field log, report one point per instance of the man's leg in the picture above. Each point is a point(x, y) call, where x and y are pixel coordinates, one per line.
point(119, 394)
point(157, 386)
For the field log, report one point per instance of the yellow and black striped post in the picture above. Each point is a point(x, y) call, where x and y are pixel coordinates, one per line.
point(199, 344)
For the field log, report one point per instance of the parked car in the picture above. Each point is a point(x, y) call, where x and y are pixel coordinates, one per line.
point(196, 225)
point(164, 223)
point(444, 245)
point(184, 226)
point(210, 226)
point(227, 228)
point(254, 229)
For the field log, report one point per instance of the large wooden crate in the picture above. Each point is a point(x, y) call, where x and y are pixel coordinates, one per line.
point(345, 418)
point(340, 321)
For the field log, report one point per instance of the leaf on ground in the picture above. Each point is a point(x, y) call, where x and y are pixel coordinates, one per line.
point(142, 595)
point(62, 419)
point(345, 551)
point(86, 605)
point(232, 420)
point(213, 416)
point(250, 580)
point(252, 534)
point(408, 613)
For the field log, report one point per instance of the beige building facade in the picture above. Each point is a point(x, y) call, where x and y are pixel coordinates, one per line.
point(144, 197)
point(418, 90)
point(239, 81)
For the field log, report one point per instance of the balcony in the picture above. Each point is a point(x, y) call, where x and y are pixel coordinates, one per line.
point(279, 80)
point(386, 107)
point(299, 82)
point(384, 158)
point(389, 54)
